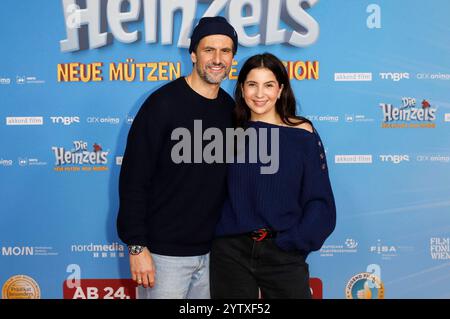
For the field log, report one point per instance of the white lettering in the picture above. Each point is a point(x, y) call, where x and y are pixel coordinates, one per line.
point(266, 14)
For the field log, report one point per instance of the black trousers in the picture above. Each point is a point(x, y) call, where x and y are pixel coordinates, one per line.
point(240, 267)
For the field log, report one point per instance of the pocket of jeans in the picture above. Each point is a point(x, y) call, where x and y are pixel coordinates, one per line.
point(226, 245)
point(274, 254)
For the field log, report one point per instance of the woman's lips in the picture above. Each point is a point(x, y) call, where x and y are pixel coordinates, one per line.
point(259, 103)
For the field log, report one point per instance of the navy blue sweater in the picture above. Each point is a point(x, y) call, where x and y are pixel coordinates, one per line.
point(297, 201)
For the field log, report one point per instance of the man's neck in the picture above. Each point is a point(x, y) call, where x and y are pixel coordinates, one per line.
point(207, 90)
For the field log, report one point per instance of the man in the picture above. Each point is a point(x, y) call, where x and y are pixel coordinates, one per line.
point(168, 211)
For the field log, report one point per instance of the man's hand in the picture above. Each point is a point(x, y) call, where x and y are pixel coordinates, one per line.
point(143, 269)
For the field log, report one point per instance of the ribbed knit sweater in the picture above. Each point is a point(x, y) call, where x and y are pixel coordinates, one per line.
point(297, 201)
point(172, 208)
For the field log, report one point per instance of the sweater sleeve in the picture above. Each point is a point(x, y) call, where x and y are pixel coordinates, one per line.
point(318, 215)
point(144, 142)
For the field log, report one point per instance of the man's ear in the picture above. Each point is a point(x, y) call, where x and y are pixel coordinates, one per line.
point(193, 57)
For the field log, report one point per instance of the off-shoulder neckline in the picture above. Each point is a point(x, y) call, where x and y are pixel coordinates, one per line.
point(285, 127)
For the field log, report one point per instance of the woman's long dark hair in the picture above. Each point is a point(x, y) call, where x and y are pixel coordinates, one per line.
point(285, 105)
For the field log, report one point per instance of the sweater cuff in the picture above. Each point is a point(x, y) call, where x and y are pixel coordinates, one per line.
point(140, 241)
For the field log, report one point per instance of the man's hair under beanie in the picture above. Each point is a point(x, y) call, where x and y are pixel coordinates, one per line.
point(213, 25)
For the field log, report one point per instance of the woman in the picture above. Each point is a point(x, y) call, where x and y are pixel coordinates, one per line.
point(271, 222)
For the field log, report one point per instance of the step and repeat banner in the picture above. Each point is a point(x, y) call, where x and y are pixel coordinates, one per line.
point(372, 75)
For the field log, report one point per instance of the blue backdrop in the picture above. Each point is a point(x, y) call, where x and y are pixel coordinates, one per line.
point(377, 89)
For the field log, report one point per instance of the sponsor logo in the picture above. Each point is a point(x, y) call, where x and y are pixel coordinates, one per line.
point(353, 159)
point(383, 249)
point(351, 243)
point(388, 251)
point(21, 287)
point(114, 250)
point(364, 285)
point(323, 118)
point(374, 19)
point(440, 248)
point(23, 161)
point(433, 158)
point(66, 120)
point(5, 162)
point(25, 120)
point(119, 160)
point(396, 159)
point(433, 76)
point(27, 251)
point(350, 118)
point(23, 79)
point(81, 157)
point(20, 79)
point(5, 81)
point(103, 120)
point(396, 76)
point(349, 247)
point(409, 114)
point(352, 77)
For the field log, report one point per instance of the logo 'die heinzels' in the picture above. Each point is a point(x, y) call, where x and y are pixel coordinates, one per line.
point(409, 114)
point(80, 156)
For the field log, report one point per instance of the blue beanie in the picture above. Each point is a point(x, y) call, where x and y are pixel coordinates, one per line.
point(213, 25)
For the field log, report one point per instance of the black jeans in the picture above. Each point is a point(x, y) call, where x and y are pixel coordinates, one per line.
point(241, 266)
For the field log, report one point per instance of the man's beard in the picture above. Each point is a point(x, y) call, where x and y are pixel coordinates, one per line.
point(207, 77)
